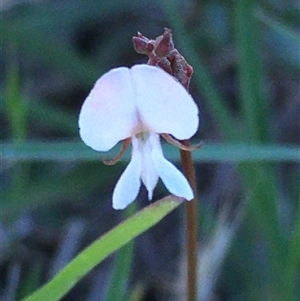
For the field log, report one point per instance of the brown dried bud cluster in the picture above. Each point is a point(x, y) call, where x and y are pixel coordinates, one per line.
point(162, 53)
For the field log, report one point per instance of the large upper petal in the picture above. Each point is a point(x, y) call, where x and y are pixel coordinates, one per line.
point(163, 103)
point(172, 178)
point(109, 113)
point(128, 186)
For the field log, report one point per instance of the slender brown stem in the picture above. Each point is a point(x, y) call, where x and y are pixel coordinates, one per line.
point(171, 61)
point(192, 224)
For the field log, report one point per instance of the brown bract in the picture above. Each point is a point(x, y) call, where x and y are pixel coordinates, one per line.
point(162, 53)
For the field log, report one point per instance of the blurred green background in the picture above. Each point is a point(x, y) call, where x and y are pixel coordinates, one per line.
point(56, 193)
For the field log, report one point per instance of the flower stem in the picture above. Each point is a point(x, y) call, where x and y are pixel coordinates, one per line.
point(171, 61)
point(192, 224)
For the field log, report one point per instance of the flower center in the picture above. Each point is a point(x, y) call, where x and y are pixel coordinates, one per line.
point(143, 136)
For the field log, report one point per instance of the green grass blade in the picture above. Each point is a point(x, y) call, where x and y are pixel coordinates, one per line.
point(15, 104)
point(261, 189)
point(293, 262)
point(77, 151)
point(17, 115)
point(122, 268)
point(278, 27)
point(102, 248)
point(250, 72)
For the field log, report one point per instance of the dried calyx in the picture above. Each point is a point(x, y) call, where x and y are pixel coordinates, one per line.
point(162, 53)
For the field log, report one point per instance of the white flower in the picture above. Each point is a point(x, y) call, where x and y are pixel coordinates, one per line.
point(138, 104)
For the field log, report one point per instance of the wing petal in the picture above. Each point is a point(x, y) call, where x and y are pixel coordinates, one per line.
point(172, 178)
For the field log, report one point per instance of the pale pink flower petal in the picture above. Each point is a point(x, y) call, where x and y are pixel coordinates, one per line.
point(109, 113)
point(172, 178)
point(164, 105)
point(128, 186)
point(149, 174)
point(139, 103)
